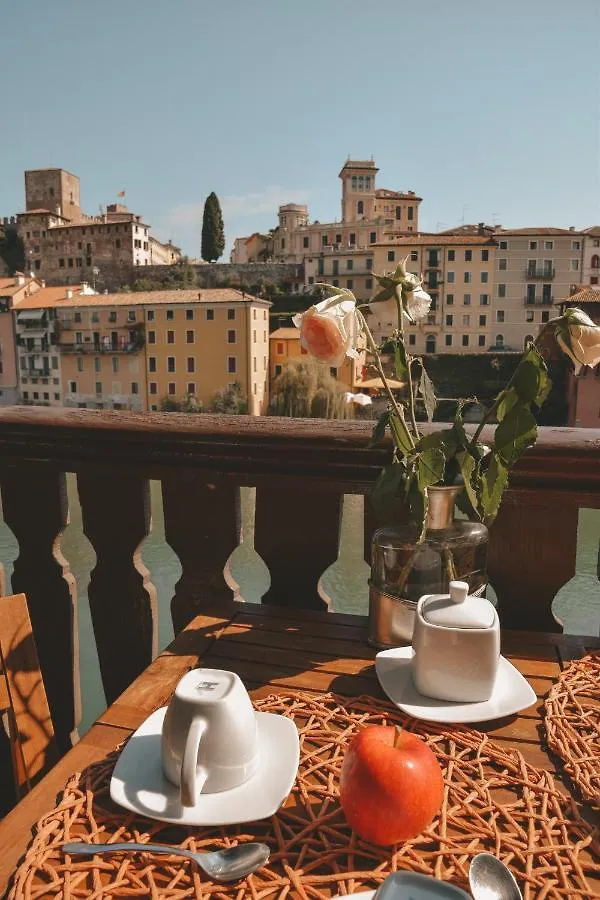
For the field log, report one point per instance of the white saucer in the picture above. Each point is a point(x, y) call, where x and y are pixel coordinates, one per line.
point(138, 782)
point(511, 694)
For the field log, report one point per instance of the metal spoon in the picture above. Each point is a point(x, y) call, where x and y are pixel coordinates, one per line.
point(489, 879)
point(223, 865)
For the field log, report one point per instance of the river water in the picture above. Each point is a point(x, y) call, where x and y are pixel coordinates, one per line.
point(345, 583)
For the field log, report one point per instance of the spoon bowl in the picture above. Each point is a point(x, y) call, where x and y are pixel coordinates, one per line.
point(490, 879)
point(230, 864)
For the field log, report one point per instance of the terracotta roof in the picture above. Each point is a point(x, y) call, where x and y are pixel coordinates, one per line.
point(285, 334)
point(470, 229)
point(533, 231)
point(57, 297)
point(583, 295)
point(385, 194)
point(9, 286)
point(433, 240)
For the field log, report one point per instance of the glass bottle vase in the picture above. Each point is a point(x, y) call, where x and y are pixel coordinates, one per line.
point(402, 570)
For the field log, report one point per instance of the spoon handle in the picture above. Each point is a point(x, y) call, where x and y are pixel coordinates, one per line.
point(83, 849)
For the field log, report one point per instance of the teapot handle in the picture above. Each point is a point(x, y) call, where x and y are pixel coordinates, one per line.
point(193, 777)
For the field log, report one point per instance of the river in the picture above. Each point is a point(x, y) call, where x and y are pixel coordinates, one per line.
point(345, 582)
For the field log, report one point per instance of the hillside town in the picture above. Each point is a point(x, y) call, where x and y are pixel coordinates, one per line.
point(74, 332)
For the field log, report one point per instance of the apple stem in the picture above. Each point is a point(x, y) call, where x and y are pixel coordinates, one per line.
point(398, 736)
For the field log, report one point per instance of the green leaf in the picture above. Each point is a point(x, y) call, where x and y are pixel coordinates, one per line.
point(444, 440)
point(493, 483)
point(526, 381)
point(385, 294)
point(509, 399)
point(379, 429)
point(400, 434)
point(388, 485)
point(430, 467)
point(400, 362)
point(467, 466)
point(516, 432)
point(427, 392)
point(418, 502)
point(459, 428)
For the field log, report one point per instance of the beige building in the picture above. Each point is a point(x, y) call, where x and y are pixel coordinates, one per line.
point(591, 255)
point(64, 246)
point(13, 290)
point(255, 248)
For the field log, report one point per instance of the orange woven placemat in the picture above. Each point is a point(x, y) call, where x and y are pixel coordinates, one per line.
point(493, 801)
point(572, 720)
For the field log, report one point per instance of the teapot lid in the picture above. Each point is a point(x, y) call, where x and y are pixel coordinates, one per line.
point(457, 609)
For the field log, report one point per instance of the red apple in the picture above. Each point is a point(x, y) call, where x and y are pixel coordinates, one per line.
point(391, 784)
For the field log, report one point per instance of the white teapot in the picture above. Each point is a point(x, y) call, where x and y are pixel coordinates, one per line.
point(456, 641)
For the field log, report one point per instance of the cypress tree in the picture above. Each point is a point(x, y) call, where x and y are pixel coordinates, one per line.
point(213, 235)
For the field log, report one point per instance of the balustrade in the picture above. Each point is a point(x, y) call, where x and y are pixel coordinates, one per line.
point(301, 470)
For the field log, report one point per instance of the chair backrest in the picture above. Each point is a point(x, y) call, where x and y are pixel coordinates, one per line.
point(23, 701)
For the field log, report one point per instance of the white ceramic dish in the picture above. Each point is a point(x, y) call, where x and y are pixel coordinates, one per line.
point(139, 784)
point(511, 693)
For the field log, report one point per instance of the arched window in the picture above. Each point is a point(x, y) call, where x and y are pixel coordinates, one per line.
point(360, 207)
point(528, 340)
point(430, 343)
point(499, 340)
point(595, 261)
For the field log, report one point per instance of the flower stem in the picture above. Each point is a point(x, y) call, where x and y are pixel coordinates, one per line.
point(375, 353)
point(411, 399)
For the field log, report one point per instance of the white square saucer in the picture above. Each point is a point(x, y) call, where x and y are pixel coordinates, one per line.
point(139, 784)
point(511, 693)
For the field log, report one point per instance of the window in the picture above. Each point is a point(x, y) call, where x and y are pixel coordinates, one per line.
point(369, 263)
point(465, 340)
point(77, 317)
point(545, 316)
point(485, 255)
point(449, 299)
point(352, 238)
point(451, 255)
point(231, 365)
point(411, 215)
point(336, 267)
point(131, 315)
point(484, 277)
point(210, 314)
point(170, 337)
point(360, 208)
point(324, 240)
point(170, 314)
point(191, 365)
point(277, 370)
point(373, 237)
point(594, 279)
point(79, 364)
point(529, 315)
point(57, 396)
point(429, 341)
point(448, 340)
point(574, 265)
point(171, 388)
point(231, 314)
point(349, 283)
point(152, 364)
point(466, 320)
point(191, 388)
point(391, 255)
point(499, 315)
point(305, 242)
point(595, 262)
point(112, 316)
point(499, 340)
point(349, 263)
point(231, 336)
point(449, 318)
point(398, 212)
point(502, 290)
point(467, 277)
point(170, 363)
point(504, 245)
point(73, 387)
point(502, 264)
point(548, 245)
point(97, 365)
point(414, 255)
point(412, 339)
point(468, 255)
point(484, 299)
point(189, 314)
point(115, 364)
point(466, 299)
point(482, 321)
point(368, 284)
point(95, 317)
point(153, 387)
point(61, 263)
point(151, 337)
point(98, 387)
point(450, 277)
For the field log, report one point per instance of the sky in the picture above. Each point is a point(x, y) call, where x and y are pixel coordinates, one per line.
point(488, 109)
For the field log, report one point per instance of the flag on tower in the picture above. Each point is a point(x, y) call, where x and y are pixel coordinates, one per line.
point(121, 194)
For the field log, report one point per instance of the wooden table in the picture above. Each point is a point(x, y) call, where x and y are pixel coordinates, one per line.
point(273, 648)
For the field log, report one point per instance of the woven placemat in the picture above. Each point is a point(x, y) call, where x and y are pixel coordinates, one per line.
point(572, 719)
point(494, 801)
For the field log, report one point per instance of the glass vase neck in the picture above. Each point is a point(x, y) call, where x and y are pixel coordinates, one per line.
point(440, 512)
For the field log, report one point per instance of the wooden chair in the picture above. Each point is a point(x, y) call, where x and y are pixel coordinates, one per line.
point(23, 703)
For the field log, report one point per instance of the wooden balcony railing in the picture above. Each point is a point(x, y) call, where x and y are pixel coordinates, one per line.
point(301, 468)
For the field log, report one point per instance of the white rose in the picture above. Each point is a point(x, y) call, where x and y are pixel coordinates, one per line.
point(583, 344)
point(329, 330)
point(418, 303)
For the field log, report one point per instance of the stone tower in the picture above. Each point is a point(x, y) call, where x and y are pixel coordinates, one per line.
point(358, 190)
point(55, 190)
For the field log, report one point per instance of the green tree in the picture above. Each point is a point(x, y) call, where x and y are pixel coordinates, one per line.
point(231, 401)
point(12, 250)
point(213, 234)
point(306, 389)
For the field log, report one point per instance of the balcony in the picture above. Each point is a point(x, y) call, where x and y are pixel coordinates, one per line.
point(539, 301)
point(303, 467)
point(66, 347)
point(543, 274)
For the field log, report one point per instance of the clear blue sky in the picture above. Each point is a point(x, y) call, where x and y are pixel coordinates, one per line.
point(489, 110)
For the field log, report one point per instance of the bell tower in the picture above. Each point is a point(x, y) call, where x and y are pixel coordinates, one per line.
point(358, 190)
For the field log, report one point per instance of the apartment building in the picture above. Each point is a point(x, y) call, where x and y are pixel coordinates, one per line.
point(368, 214)
point(458, 273)
point(13, 289)
point(201, 342)
point(65, 246)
